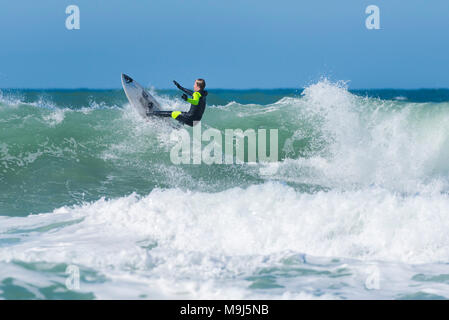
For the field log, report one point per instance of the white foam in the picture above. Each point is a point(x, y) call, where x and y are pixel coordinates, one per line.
point(358, 142)
point(204, 239)
point(55, 117)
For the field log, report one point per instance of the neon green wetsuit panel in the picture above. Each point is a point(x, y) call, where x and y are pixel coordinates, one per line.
point(196, 98)
point(175, 114)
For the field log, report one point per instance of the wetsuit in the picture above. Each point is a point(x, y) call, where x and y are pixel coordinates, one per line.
point(195, 113)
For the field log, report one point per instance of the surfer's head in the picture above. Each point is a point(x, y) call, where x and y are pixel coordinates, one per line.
point(200, 84)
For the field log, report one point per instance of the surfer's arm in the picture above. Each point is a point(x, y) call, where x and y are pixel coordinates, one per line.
point(189, 92)
point(196, 98)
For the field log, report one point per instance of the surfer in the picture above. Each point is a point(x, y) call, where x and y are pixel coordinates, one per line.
point(197, 104)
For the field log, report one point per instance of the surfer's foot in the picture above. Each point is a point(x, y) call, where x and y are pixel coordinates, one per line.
point(150, 107)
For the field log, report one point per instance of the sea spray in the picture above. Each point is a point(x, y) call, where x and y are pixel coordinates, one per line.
point(355, 207)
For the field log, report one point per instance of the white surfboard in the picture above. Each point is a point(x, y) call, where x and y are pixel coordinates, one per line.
point(139, 98)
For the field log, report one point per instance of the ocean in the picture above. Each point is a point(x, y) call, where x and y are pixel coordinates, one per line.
point(355, 207)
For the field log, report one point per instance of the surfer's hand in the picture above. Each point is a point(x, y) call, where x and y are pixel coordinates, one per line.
point(176, 84)
point(184, 97)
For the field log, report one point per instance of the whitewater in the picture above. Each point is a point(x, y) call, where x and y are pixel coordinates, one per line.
point(357, 207)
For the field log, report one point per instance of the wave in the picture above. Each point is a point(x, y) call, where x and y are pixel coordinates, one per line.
point(329, 139)
point(327, 136)
point(173, 243)
point(370, 225)
point(360, 182)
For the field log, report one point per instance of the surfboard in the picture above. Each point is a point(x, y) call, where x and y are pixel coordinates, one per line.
point(138, 97)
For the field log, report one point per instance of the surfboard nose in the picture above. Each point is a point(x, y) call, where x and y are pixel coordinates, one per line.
point(127, 78)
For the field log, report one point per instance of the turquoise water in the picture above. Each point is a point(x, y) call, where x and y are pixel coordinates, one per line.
point(355, 207)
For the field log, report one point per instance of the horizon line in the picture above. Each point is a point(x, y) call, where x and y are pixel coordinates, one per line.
point(208, 89)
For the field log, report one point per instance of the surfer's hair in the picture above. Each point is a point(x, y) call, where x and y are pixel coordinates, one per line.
point(201, 83)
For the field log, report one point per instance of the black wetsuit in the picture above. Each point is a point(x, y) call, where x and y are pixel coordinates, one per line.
point(195, 113)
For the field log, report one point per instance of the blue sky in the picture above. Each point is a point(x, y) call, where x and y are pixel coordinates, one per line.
point(230, 43)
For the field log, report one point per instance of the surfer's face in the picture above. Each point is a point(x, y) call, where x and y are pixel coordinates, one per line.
point(196, 87)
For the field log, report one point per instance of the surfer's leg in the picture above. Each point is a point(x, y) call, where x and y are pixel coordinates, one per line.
point(178, 115)
point(182, 117)
point(162, 113)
